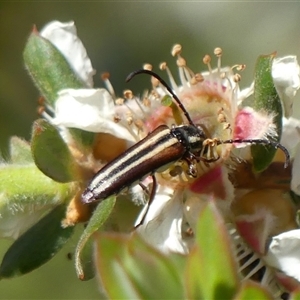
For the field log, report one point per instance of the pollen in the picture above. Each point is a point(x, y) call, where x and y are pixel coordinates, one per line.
point(218, 52)
point(237, 77)
point(128, 94)
point(119, 101)
point(105, 77)
point(147, 67)
point(163, 66)
point(176, 50)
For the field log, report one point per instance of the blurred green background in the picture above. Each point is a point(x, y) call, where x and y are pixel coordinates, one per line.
point(120, 37)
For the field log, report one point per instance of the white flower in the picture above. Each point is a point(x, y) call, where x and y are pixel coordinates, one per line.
point(286, 76)
point(163, 223)
point(291, 140)
point(64, 37)
point(89, 109)
point(283, 253)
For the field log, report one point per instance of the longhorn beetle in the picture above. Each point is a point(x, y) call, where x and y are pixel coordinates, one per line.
point(159, 148)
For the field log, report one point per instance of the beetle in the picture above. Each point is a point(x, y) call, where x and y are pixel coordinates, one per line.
point(161, 147)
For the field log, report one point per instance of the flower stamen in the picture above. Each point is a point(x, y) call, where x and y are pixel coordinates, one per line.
point(105, 77)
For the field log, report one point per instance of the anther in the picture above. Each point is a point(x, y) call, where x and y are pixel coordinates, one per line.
point(218, 52)
point(176, 50)
point(206, 59)
point(119, 101)
point(163, 66)
point(40, 110)
point(105, 76)
point(237, 77)
point(129, 120)
point(117, 118)
point(147, 67)
point(198, 77)
point(146, 102)
point(139, 123)
point(241, 67)
point(128, 94)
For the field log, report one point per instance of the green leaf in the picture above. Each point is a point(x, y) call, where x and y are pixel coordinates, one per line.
point(28, 184)
point(51, 154)
point(131, 269)
point(26, 194)
point(267, 100)
point(82, 137)
point(37, 245)
point(251, 290)
point(211, 268)
point(51, 73)
point(82, 256)
point(295, 295)
point(48, 68)
point(20, 152)
point(164, 281)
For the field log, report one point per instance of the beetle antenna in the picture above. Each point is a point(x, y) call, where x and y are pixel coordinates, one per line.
point(260, 141)
point(142, 71)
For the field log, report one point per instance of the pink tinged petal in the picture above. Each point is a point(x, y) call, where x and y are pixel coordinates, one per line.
point(64, 37)
point(215, 182)
point(286, 76)
point(255, 228)
point(250, 124)
point(289, 283)
point(162, 227)
point(284, 254)
point(88, 109)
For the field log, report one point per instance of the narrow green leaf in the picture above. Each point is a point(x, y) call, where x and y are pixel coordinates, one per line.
point(100, 215)
point(251, 290)
point(165, 280)
point(212, 267)
point(267, 100)
point(37, 245)
point(131, 269)
point(110, 250)
point(51, 154)
point(48, 67)
point(20, 152)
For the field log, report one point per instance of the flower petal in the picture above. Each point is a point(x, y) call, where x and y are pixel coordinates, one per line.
point(250, 124)
point(284, 254)
point(286, 76)
point(162, 226)
point(89, 109)
point(64, 37)
point(295, 182)
point(290, 134)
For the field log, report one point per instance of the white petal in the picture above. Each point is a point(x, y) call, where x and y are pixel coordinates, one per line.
point(88, 109)
point(295, 182)
point(284, 253)
point(285, 72)
point(290, 133)
point(64, 37)
point(245, 93)
point(162, 227)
